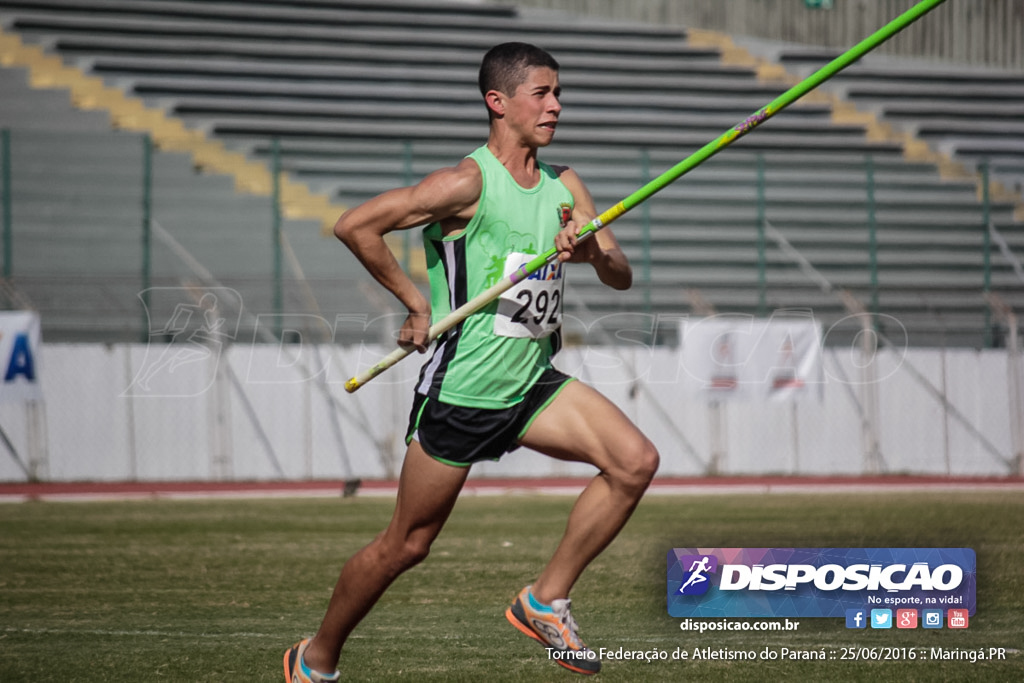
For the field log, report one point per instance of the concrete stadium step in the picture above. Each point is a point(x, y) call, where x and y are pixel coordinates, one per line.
point(713, 82)
point(336, 14)
point(680, 57)
point(50, 110)
point(602, 156)
point(165, 90)
point(805, 213)
point(990, 148)
point(84, 22)
point(374, 176)
point(924, 279)
point(968, 128)
point(880, 67)
point(613, 112)
point(735, 292)
point(944, 109)
point(837, 195)
point(824, 258)
point(995, 93)
point(840, 141)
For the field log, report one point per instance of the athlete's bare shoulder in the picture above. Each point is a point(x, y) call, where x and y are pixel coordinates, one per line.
point(451, 192)
point(568, 177)
point(575, 185)
point(564, 171)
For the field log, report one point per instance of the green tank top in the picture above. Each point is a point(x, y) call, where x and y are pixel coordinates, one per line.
point(492, 358)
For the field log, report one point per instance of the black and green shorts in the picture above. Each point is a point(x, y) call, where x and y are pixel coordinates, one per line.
point(461, 436)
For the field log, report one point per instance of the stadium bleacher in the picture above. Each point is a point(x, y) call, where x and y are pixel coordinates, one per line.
point(367, 96)
point(972, 114)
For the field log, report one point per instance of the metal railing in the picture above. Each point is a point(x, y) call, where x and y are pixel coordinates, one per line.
point(48, 207)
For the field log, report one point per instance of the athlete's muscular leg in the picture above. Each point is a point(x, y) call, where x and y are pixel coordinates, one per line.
point(581, 424)
point(427, 491)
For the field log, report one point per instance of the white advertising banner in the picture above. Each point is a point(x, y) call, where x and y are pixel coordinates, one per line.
point(19, 356)
point(737, 357)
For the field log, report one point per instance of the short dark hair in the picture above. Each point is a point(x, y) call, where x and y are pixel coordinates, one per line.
point(504, 67)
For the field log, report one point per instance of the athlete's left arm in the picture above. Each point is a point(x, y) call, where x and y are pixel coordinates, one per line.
point(601, 250)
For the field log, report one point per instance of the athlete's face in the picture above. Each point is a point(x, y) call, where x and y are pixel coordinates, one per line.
point(533, 111)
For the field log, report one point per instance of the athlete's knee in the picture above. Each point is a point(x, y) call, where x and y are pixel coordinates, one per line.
point(637, 466)
point(414, 551)
point(647, 461)
point(398, 555)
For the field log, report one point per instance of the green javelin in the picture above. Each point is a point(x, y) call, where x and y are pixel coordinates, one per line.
point(668, 177)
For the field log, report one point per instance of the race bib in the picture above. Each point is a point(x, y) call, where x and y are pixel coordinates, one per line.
point(533, 308)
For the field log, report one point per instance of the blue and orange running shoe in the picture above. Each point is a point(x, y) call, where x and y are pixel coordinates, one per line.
point(296, 671)
point(554, 628)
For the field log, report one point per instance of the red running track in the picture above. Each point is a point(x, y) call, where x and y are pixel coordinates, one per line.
point(22, 491)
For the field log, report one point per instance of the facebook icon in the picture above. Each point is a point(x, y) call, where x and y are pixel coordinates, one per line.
point(856, 618)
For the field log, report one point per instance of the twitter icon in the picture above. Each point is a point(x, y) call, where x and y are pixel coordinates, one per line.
point(881, 618)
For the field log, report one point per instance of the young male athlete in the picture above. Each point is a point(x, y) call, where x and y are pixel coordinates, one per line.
point(489, 385)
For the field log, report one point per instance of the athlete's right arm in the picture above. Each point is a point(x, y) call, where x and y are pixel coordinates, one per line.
point(446, 195)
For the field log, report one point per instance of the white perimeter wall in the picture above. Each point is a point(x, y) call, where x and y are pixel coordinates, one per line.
point(177, 413)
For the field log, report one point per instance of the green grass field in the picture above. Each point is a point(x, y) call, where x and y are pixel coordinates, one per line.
point(212, 590)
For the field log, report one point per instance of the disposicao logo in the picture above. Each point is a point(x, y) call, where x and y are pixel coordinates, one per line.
point(818, 582)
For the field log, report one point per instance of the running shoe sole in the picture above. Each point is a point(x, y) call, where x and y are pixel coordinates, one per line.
point(516, 616)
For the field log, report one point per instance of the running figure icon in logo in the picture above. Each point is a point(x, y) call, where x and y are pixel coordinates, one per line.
point(696, 582)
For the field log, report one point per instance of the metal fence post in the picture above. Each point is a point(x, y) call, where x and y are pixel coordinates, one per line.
point(986, 248)
point(147, 229)
point(406, 181)
point(869, 179)
point(8, 225)
point(275, 165)
point(645, 227)
point(762, 247)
